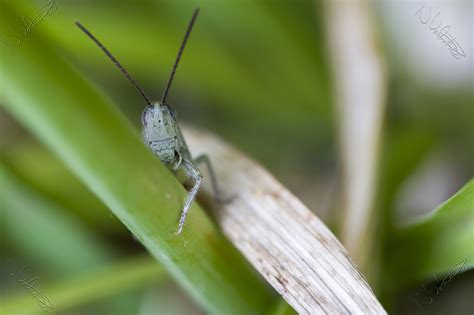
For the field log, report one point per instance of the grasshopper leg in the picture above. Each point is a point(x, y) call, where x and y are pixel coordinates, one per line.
point(215, 187)
point(193, 173)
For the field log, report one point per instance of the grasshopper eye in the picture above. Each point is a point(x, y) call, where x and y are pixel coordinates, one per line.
point(144, 113)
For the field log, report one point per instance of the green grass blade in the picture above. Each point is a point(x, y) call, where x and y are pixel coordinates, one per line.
point(439, 242)
point(51, 240)
point(45, 233)
point(88, 287)
point(44, 173)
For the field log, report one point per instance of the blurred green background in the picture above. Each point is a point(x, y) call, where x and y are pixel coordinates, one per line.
point(257, 73)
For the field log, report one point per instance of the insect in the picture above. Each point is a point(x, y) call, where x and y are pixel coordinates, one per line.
point(162, 133)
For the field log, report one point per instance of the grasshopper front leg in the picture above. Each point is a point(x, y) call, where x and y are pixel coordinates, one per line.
point(192, 173)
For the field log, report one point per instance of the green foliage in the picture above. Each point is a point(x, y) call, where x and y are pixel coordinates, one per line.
point(32, 225)
point(254, 71)
point(101, 147)
point(88, 287)
point(439, 242)
point(37, 168)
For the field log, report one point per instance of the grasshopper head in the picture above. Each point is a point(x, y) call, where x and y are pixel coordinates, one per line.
point(159, 122)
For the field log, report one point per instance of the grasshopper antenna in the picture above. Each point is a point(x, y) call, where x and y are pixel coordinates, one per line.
point(180, 53)
point(116, 63)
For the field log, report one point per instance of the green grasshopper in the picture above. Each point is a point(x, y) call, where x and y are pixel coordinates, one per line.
point(162, 133)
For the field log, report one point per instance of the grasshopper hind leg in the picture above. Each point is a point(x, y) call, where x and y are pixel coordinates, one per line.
point(215, 187)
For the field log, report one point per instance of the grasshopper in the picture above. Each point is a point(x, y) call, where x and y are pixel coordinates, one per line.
point(162, 133)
